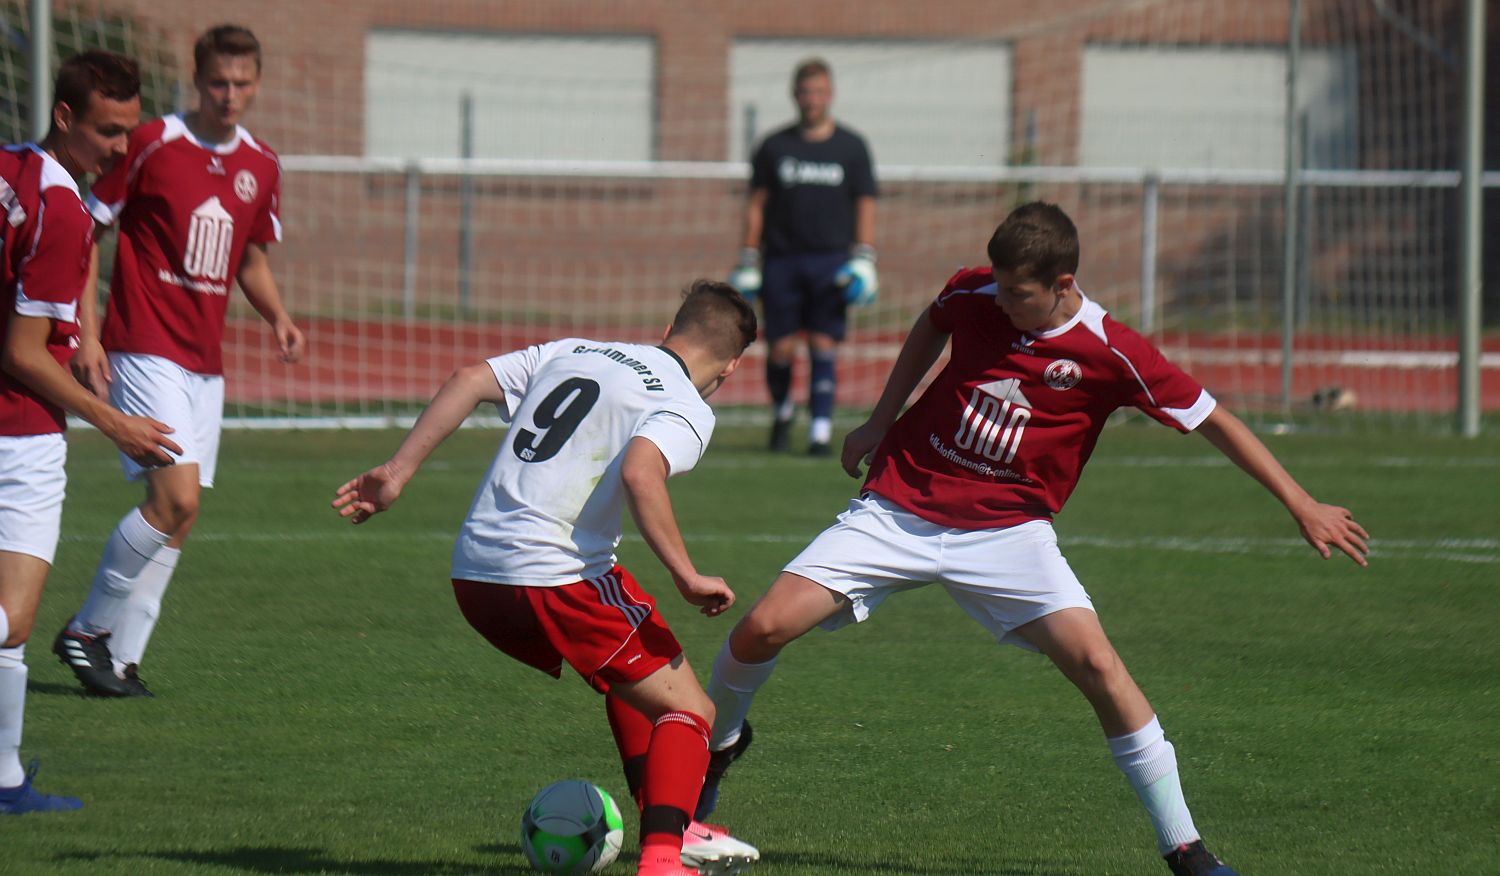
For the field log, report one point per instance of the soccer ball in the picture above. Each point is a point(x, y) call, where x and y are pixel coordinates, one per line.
point(572, 827)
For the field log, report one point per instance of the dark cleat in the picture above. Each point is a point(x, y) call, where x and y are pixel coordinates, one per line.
point(718, 765)
point(89, 658)
point(819, 448)
point(781, 436)
point(1192, 859)
point(132, 679)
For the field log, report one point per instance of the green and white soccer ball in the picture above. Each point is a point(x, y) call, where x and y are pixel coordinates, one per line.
point(572, 827)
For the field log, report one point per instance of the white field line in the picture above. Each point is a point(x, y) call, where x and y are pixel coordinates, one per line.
point(754, 463)
point(1458, 550)
point(725, 461)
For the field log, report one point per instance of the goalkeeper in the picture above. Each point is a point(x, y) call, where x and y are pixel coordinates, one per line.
point(808, 248)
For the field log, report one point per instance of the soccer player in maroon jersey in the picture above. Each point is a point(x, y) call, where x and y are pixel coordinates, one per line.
point(196, 200)
point(962, 488)
point(46, 247)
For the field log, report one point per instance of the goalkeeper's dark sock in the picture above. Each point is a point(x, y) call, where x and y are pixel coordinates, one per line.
point(824, 382)
point(779, 385)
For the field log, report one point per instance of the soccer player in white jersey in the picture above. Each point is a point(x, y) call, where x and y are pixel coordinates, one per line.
point(196, 200)
point(962, 488)
point(596, 426)
point(46, 247)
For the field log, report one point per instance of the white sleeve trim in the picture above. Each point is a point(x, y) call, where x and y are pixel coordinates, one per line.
point(1192, 417)
point(45, 309)
point(104, 214)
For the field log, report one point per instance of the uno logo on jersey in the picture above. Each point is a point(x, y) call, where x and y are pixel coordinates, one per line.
point(794, 172)
point(245, 186)
point(1062, 374)
point(210, 237)
point(994, 420)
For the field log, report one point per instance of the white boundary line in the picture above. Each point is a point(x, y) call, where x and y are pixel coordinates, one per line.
point(1485, 551)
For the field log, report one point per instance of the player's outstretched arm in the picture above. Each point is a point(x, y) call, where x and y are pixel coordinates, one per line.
point(1324, 526)
point(90, 364)
point(924, 344)
point(260, 288)
point(644, 475)
point(27, 359)
point(377, 489)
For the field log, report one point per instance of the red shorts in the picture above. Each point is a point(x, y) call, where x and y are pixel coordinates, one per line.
point(606, 628)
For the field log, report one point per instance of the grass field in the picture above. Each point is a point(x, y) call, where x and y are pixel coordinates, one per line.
point(323, 708)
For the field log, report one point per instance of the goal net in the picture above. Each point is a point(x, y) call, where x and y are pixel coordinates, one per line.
point(486, 176)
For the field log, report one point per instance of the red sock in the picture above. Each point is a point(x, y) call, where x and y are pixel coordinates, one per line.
point(632, 737)
point(675, 764)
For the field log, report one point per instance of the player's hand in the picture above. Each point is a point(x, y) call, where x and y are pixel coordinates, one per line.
point(858, 278)
point(290, 342)
point(370, 493)
point(746, 274)
point(1328, 526)
point(91, 367)
point(710, 593)
point(859, 446)
point(145, 441)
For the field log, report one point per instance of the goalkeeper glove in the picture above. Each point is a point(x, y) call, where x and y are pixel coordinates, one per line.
point(746, 274)
point(857, 277)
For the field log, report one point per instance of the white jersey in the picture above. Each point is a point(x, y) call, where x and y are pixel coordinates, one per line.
point(548, 512)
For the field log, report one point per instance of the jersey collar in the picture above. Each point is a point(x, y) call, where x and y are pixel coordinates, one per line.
point(678, 359)
point(177, 124)
point(1084, 306)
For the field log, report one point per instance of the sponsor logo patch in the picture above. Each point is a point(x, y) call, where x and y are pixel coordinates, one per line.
point(245, 186)
point(1062, 374)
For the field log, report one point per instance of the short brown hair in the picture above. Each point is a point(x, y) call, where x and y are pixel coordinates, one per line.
point(717, 316)
point(810, 68)
point(226, 39)
point(1037, 241)
point(112, 75)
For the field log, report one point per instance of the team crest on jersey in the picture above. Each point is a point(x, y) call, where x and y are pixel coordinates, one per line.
point(1063, 374)
point(245, 186)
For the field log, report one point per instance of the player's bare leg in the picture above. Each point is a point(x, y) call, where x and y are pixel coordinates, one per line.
point(661, 724)
point(788, 610)
point(1076, 643)
point(172, 497)
point(22, 578)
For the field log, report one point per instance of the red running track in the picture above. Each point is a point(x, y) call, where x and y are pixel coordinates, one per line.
point(355, 363)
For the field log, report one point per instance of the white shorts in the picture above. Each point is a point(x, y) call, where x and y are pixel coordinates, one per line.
point(33, 478)
point(191, 403)
point(1002, 577)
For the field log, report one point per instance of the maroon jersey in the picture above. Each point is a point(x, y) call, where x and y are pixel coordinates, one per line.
point(186, 211)
point(46, 237)
point(1002, 434)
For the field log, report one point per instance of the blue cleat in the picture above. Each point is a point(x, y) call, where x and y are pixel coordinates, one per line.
point(1192, 859)
point(718, 764)
point(24, 798)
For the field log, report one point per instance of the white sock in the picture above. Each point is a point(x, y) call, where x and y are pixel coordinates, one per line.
point(786, 410)
point(1148, 760)
point(138, 616)
point(12, 707)
point(732, 687)
point(129, 549)
point(820, 430)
